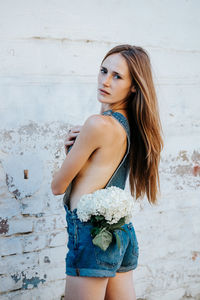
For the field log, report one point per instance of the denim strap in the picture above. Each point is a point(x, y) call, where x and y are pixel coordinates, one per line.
point(124, 122)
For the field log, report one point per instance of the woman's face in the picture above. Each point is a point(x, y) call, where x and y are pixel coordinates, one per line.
point(114, 80)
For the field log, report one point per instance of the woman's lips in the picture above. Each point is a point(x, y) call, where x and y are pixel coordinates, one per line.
point(103, 92)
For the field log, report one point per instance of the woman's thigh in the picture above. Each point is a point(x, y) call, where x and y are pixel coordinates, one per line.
point(121, 287)
point(85, 288)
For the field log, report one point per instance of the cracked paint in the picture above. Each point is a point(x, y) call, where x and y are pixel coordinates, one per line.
point(34, 281)
point(4, 226)
point(14, 166)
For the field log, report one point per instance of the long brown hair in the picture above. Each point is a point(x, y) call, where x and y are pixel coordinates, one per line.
point(144, 121)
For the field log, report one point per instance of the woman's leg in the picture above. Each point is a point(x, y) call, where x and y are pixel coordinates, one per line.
point(85, 288)
point(121, 287)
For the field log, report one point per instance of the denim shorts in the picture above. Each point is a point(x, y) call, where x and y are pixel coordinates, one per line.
point(86, 259)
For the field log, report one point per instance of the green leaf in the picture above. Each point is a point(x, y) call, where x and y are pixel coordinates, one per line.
point(102, 231)
point(99, 218)
point(95, 231)
point(118, 224)
point(103, 239)
point(98, 221)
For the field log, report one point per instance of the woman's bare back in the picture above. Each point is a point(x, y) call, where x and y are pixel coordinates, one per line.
point(102, 163)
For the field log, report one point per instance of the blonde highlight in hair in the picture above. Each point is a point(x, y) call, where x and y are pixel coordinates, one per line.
point(145, 125)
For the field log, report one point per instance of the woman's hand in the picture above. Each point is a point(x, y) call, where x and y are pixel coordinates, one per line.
point(71, 136)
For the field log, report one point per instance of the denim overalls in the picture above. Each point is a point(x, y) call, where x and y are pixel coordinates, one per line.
point(83, 257)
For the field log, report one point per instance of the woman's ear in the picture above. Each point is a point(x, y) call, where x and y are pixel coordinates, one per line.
point(133, 90)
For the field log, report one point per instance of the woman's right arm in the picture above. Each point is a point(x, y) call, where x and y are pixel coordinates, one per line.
point(70, 138)
point(90, 138)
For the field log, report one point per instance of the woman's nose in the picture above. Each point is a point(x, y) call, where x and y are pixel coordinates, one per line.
point(106, 81)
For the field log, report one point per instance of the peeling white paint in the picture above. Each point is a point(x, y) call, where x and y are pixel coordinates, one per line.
point(49, 59)
point(14, 167)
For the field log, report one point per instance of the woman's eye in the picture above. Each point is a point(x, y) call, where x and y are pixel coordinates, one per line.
point(103, 71)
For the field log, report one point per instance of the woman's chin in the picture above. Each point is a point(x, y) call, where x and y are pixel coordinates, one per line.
point(101, 99)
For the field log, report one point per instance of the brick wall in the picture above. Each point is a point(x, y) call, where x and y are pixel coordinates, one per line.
point(49, 58)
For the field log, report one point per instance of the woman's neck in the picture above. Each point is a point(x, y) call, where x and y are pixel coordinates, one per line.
point(114, 108)
point(122, 111)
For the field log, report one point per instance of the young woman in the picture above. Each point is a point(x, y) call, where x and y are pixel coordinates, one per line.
point(124, 139)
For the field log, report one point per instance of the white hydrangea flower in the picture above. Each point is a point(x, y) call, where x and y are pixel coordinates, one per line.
point(113, 203)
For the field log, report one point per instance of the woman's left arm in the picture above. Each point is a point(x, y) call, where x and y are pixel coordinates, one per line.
point(90, 138)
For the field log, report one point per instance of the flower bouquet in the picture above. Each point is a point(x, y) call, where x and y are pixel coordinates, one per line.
point(107, 209)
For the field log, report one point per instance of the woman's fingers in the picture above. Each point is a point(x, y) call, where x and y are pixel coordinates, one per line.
point(71, 136)
point(68, 143)
point(73, 132)
point(76, 128)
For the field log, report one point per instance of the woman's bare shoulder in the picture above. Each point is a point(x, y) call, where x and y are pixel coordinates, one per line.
point(99, 126)
point(97, 122)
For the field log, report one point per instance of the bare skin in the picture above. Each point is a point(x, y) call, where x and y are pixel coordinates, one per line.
point(88, 180)
point(120, 287)
point(85, 288)
point(96, 139)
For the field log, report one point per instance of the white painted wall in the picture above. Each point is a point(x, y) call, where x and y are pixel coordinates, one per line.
point(50, 52)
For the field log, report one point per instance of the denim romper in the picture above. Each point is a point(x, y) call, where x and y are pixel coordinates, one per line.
point(83, 257)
